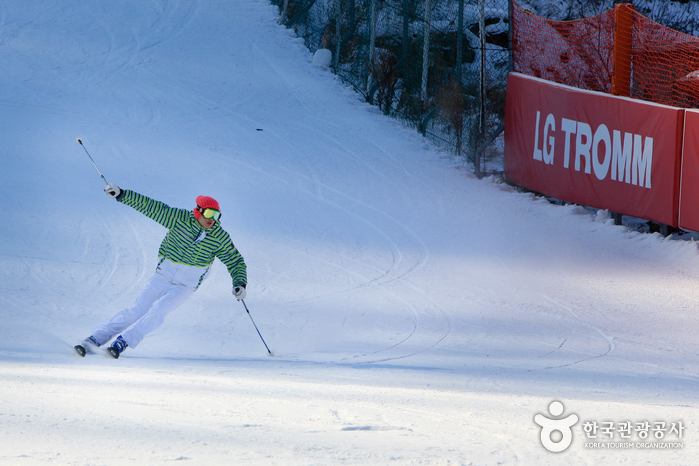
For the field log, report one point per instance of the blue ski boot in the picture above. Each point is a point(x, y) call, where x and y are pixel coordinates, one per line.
point(88, 346)
point(117, 347)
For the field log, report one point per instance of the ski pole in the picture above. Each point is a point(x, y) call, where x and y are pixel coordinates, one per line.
point(253, 323)
point(80, 141)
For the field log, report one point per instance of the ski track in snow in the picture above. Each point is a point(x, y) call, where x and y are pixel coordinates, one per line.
point(577, 321)
point(403, 265)
point(400, 267)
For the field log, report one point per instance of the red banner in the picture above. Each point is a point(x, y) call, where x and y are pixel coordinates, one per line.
point(594, 149)
point(689, 192)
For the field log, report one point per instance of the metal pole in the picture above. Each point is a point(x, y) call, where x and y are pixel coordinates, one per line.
point(426, 51)
point(338, 36)
point(253, 323)
point(372, 45)
point(481, 132)
point(459, 40)
point(80, 141)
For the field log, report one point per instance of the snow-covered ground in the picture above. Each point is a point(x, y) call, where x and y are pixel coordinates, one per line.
point(417, 314)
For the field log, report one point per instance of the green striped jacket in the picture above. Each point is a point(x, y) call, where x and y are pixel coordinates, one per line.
point(186, 242)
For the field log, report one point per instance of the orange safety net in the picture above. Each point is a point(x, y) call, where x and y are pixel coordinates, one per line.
point(619, 52)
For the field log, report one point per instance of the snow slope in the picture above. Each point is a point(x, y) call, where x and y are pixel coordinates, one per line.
point(417, 314)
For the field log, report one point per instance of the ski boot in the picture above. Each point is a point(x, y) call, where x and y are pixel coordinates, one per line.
point(117, 347)
point(88, 346)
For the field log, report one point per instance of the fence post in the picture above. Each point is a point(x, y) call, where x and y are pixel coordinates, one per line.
point(406, 38)
point(482, 125)
point(623, 30)
point(621, 49)
point(372, 45)
point(285, 9)
point(338, 36)
point(426, 52)
point(511, 9)
point(459, 41)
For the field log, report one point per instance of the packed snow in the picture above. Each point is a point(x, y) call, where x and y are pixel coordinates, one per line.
point(417, 314)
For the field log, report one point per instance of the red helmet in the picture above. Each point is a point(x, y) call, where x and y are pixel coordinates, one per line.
point(205, 202)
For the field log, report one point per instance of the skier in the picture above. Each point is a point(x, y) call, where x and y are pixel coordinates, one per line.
point(193, 240)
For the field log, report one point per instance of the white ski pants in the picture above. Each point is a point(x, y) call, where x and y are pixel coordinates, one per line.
point(170, 286)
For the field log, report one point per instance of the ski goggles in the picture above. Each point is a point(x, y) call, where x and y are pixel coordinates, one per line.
point(210, 213)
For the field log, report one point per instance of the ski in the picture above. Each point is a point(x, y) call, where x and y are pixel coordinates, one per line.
point(80, 350)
